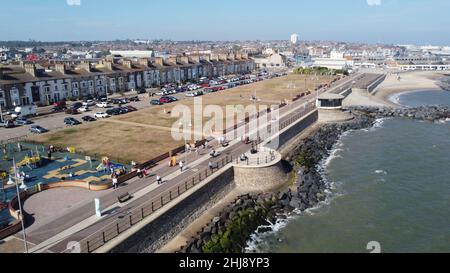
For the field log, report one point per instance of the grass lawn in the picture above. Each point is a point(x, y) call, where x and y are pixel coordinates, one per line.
point(145, 134)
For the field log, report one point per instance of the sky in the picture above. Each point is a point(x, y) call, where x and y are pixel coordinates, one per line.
point(373, 21)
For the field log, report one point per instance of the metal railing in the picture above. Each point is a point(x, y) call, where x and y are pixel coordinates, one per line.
point(129, 219)
point(136, 215)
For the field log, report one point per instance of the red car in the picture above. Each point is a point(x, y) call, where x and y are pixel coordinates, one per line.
point(204, 85)
point(164, 100)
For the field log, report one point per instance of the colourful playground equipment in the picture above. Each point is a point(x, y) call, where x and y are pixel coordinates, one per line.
point(29, 161)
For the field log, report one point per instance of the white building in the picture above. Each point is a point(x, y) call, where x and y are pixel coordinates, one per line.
point(335, 61)
point(294, 38)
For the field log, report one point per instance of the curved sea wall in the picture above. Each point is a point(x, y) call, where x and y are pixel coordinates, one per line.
point(230, 231)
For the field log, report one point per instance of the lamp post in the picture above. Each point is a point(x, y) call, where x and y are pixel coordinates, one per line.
point(185, 138)
point(20, 207)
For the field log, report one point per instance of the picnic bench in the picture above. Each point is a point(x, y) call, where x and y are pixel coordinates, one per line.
point(124, 197)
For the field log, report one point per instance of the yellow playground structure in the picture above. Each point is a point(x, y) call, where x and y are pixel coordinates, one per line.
point(29, 161)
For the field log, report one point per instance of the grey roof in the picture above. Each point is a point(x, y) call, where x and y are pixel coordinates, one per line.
point(331, 96)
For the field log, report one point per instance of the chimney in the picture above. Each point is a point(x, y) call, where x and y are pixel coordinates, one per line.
point(108, 65)
point(194, 59)
point(127, 63)
point(144, 62)
point(206, 57)
point(158, 61)
point(183, 60)
point(172, 60)
point(222, 57)
point(30, 68)
point(85, 65)
point(214, 57)
point(61, 68)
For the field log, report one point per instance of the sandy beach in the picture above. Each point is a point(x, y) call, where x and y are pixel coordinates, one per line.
point(386, 91)
point(408, 82)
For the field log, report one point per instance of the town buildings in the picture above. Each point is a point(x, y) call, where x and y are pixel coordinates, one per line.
point(32, 83)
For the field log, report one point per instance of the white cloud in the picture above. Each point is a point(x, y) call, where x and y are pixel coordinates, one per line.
point(374, 2)
point(73, 2)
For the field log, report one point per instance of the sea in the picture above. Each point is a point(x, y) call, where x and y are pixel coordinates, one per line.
point(390, 191)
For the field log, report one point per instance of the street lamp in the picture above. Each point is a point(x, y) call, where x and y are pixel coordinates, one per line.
point(20, 206)
point(185, 138)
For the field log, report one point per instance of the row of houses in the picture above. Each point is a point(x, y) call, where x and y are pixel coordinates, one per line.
point(29, 83)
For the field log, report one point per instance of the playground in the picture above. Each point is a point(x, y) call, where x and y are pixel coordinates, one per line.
point(33, 167)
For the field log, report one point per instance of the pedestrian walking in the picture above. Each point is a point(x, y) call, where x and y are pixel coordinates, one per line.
point(115, 182)
point(181, 164)
point(158, 179)
point(139, 173)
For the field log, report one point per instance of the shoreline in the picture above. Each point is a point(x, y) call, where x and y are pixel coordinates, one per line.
point(414, 81)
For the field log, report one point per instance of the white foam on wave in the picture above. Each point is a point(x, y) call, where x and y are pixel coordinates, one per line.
point(381, 172)
point(379, 123)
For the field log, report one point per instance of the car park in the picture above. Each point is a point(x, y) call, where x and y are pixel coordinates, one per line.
point(71, 121)
point(88, 119)
point(101, 115)
point(36, 129)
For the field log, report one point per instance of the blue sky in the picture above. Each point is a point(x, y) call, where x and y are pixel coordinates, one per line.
point(385, 21)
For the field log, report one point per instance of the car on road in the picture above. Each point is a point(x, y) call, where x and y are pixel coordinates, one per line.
point(89, 103)
point(172, 99)
point(22, 121)
point(71, 121)
point(156, 102)
point(36, 129)
point(101, 115)
point(88, 119)
point(103, 104)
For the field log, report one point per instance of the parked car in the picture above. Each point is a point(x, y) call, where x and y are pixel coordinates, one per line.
point(76, 105)
point(156, 102)
point(61, 103)
point(89, 103)
point(72, 111)
point(172, 99)
point(22, 121)
point(124, 110)
point(58, 108)
point(101, 115)
point(71, 121)
point(113, 112)
point(131, 108)
point(88, 119)
point(84, 109)
point(36, 129)
point(136, 98)
point(103, 104)
point(7, 124)
point(164, 100)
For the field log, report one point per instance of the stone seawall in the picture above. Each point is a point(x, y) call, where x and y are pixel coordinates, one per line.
point(159, 232)
point(260, 178)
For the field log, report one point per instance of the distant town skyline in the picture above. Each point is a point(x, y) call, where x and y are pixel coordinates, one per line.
point(369, 21)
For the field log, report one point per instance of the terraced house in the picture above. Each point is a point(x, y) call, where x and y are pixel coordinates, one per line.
point(43, 84)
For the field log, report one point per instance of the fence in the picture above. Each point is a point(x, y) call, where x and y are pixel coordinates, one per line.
point(114, 229)
point(131, 218)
